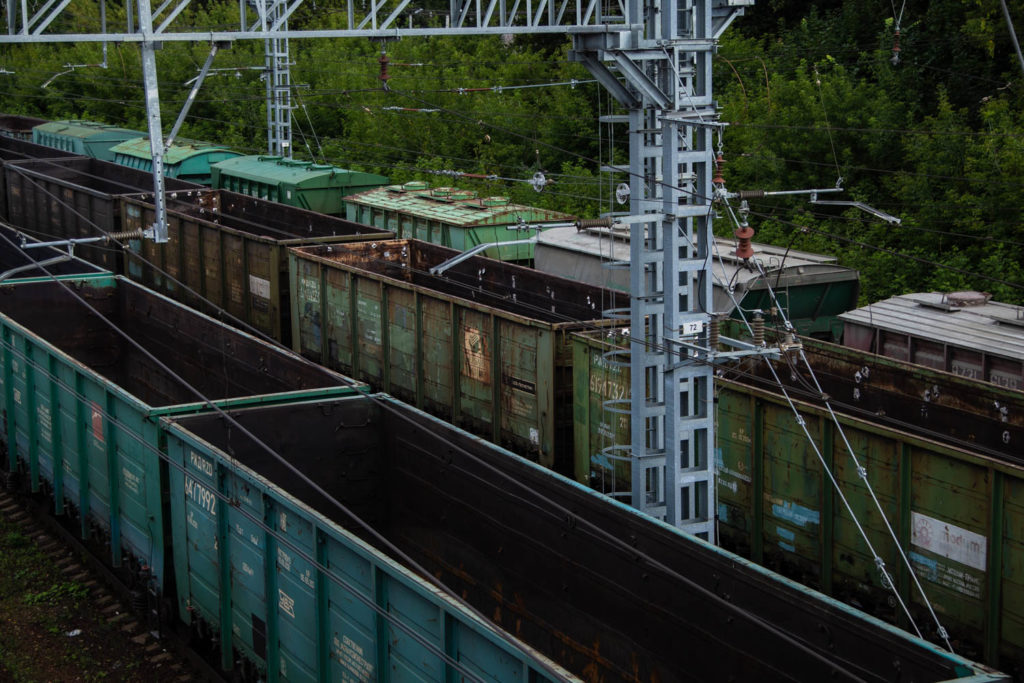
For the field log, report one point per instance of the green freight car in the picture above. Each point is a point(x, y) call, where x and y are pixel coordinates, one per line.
point(453, 218)
point(185, 160)
point(229, 251)
point(957, 514)
point(86, 138)
point(602, 592)
point(485, 346)
point(78, 197)
point(82, 402)
point(303, 184)
point(281, 583)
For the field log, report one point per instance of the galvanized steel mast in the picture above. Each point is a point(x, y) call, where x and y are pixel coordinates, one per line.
point(274, 19)
point(661, 71)
point(654, 57)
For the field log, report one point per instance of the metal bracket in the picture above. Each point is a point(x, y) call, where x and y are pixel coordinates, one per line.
point(440, 268)
point(878, 213)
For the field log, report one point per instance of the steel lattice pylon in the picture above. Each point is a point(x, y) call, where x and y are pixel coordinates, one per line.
point(662, 73)
point(278, 79)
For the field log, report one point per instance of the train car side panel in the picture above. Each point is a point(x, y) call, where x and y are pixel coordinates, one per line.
point(489, 341)
point(329, 607)
point(547, 559)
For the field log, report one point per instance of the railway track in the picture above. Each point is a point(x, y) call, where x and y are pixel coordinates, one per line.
point(159, 657)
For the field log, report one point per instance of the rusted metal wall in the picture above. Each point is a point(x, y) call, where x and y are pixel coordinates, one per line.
point(605, 592)
point(228, 251)
point(77, 197)
point(18, 149)
point(953, 509)
point(953, 512)
point(975, 415)
point(485, 346)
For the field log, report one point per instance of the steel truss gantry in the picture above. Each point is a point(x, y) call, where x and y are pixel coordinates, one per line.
point(654, 57)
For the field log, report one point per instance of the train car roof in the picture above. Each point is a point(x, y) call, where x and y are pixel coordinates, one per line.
point(964, 319)
point(86, 130)
point(453, 206)
point(180, 151)
point(296, 172)
point(784, 267)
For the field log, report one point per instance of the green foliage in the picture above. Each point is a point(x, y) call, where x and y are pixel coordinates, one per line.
point(812, 94)
point(61, 592)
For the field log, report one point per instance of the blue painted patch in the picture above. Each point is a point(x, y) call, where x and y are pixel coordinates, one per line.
point(787, 546)
point(785, 533)
point(723, 513)
point(719, 460)
point(797, 514)
point(925, 566)
point(601, 460)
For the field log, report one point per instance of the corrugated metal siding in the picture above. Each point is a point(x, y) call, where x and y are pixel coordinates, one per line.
point(955, 512)
point(484, 347)
point(989, 328)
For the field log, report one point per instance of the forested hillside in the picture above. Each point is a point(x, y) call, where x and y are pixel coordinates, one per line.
point(932, 133)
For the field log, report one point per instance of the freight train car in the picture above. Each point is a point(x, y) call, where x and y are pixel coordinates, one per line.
point(81, 400)
point(303, 184)
point(453, 218)
point(84, 138)
point(602, 591)
point(18, 127)
point(185, 159)
point(78, 198)
point(15, 149)
point(813, 288)
point(228, 251)
point(961, 332)
point(956, 512)
point(979, 416)
point(485, 345)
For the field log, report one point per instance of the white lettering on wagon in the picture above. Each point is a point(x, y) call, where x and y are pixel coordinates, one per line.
point(201, 496)
point(284, 560)
point(45, 422)
point(286, 603)
point(131, 480)
point(201, 463)
point(948, 540)
point(352, 657)
point(309, 290)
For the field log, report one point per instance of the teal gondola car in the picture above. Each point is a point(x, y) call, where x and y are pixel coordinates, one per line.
point(453, 218)
point(188, 160)
point(86, 138)
point(315, 187)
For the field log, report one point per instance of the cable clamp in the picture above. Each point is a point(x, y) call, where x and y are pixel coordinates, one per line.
point(862, 472)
